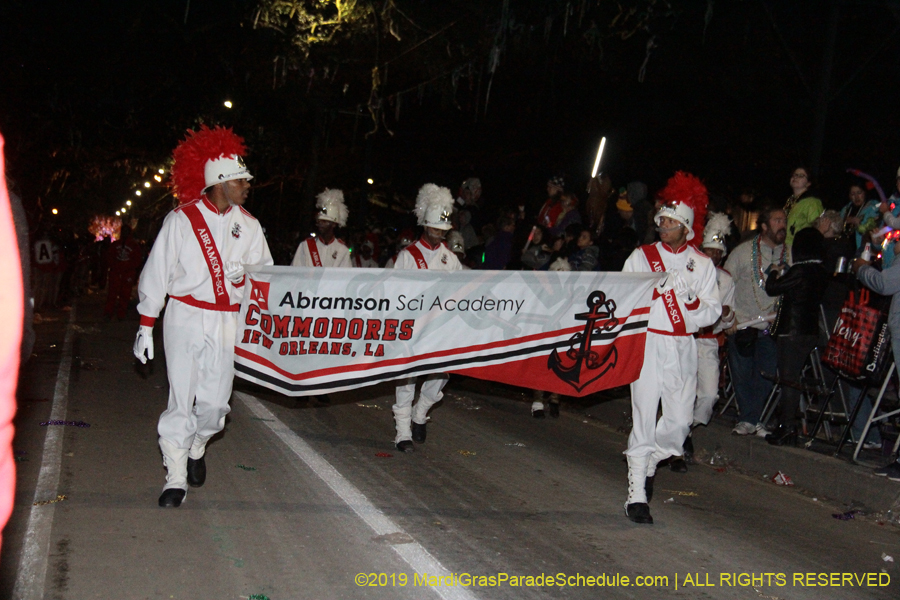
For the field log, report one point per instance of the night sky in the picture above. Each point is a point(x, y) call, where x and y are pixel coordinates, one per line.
point(95, 95)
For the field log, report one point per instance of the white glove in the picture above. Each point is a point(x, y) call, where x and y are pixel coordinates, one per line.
point(665, 284)
point(144, 342)
point(234, 271)
point(680, 286)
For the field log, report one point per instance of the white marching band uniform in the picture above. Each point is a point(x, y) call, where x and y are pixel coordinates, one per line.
point(421, 255)
point(708, 352)
point(335, 254)
point(201, 318)
point(669, 372)
point(364, 263)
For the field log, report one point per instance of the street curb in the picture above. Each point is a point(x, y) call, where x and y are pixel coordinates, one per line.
point(820, 475)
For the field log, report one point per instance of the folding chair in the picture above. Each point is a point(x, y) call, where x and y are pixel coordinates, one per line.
point(872, 418)
point(728, 392)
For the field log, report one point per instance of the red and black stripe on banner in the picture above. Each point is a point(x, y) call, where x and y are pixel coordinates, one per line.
point(526, 367)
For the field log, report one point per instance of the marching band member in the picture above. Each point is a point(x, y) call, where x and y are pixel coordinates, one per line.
point(197, 261)
point(717, 229)
point(434, 206)
point(324, 249)
point(685, 301)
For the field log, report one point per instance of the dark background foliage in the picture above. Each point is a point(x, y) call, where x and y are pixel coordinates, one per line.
point(95, 94)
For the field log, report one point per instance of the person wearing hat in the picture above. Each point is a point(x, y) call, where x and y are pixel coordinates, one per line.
point(626, 212)
point(685, 301)
point(198, 261)
point(457, 245)
point(324, 249)
point(718, 228)
point(622, 218)
point(434, 206)
point(363, 259)
point(552, 208)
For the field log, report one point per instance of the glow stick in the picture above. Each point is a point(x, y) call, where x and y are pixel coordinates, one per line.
point(599, 155)
point(530, 239)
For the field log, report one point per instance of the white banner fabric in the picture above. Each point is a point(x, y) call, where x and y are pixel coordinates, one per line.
point(305, 331)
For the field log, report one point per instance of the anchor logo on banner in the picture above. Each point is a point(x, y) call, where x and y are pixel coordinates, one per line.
point(580, 366)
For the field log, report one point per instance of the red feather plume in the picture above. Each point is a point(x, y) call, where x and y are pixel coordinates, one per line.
point(190, 156)
point(684, 188)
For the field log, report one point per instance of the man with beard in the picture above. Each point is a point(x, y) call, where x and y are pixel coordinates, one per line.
point(434, 206)
point(324, 249)
point(198, 261)
point(751, 351)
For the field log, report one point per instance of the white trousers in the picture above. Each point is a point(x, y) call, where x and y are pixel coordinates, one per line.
point(429, 395)
point(669, 374)
point(199, 348)
point(707, 379)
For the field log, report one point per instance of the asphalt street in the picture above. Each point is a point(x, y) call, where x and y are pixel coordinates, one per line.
point(308, 499)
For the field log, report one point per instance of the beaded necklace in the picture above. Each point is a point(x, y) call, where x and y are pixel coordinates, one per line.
point(756, 261)
point(789, 204)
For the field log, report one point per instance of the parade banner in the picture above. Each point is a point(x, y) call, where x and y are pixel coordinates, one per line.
point(308, 331)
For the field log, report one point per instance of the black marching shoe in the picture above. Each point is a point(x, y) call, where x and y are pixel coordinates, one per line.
point(639, 512)
point(648, 487)
point(783, 435)
point(196, 471)
point(418, 432)
point(172, 498)
point(405, 446)
point(538, 414)
point(554, 410)
point(678, 465)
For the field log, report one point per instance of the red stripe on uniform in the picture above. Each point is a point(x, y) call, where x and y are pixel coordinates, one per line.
point(210, 253)
point(313, 252)
point(417, 255)
point(651, 253)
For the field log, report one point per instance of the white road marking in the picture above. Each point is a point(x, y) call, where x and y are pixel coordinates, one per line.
point(414, 554)
point(32, 570)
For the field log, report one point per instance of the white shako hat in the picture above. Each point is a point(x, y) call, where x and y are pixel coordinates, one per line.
point(224, 168)
point(456, 243)
point(434, 205)
point(685, 199)
point(718, 227)
point(331, 207)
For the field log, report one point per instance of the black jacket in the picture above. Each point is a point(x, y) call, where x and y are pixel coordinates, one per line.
point(801, 288)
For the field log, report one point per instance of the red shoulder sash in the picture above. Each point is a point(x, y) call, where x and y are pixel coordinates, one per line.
point(313, 251)
point(210, 253)
point(417, 255)
point(651, 253)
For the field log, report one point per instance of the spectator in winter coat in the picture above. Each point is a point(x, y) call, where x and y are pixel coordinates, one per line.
point(797, 325)
point(887, 283)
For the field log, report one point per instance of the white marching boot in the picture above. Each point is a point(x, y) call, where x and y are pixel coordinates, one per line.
point(636, 507)
point(653, 460)
point(175, 460)
point(196, 463)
